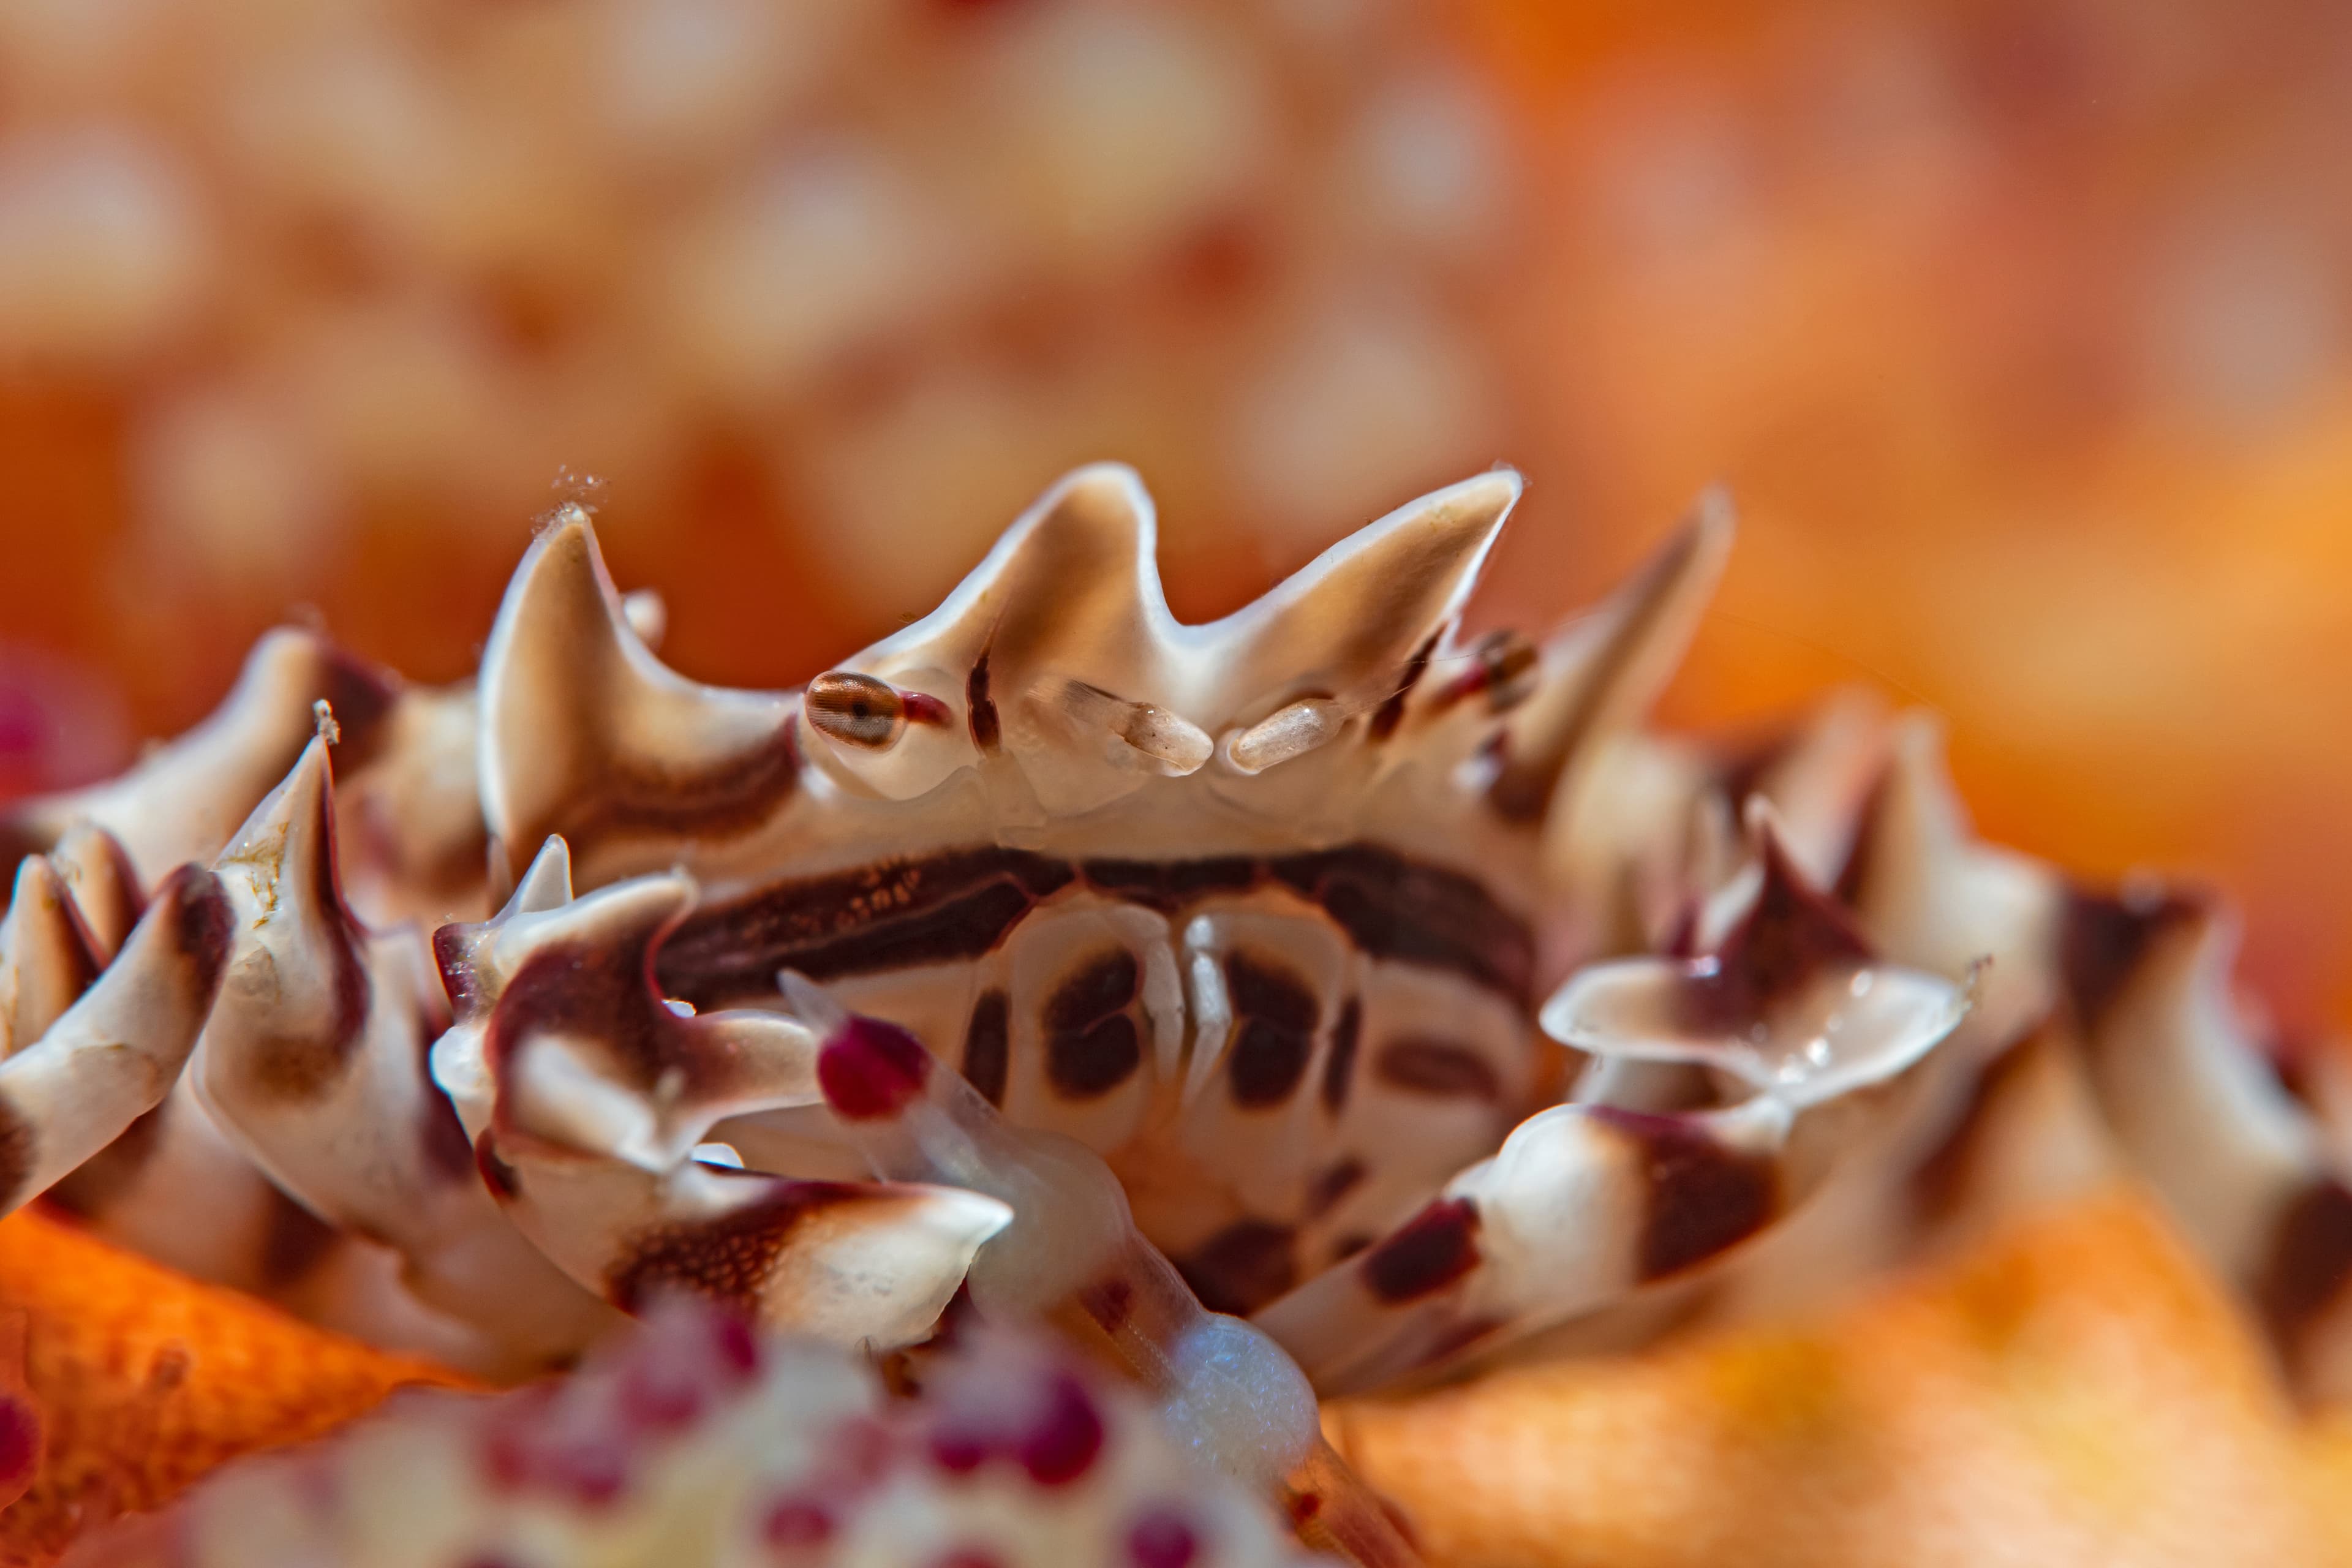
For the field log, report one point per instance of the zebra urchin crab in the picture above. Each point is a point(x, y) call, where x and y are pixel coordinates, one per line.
point(1180, 986)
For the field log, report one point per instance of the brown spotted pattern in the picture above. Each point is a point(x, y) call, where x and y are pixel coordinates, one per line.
point(1092, 1042)
point(1424, 1255)
point(1699, 1197)
point(1791, 938)
point(1274, 1017)
point(728, 1260)
point(988, 1044)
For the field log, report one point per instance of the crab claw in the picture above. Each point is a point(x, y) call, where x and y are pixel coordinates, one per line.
point(588, 1096)
point(1790, 1014)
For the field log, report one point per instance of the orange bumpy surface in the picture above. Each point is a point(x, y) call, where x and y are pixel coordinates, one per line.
point(2076, 1392)
point(144, 1380)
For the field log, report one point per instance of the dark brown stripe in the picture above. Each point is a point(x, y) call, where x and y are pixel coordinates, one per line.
point(1275, 1015)
point(1700, 1197)
point(360, 695)
point(498, 1176)
point(1414, 913)
point(1425, 1254)
point(960, 903)
point(621, 794)
point(1091, 1044)
point(2310, 1261)
point(980, 707)
point(1791, 937)
point(1391, 712)
point(203, 926)
point(728, 1260)
point(1939, 1183)
point(1522, 788)
point(1421, 1065)
point(1340, 1067)
point(2103, 938)
point(18, 1152)
point(1241, 1267)
point(1167, 886)
point(988, 1046)
point(303, 1067)
point(955, 905)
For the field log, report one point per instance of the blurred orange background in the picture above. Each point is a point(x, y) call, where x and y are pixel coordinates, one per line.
point(2019, 330)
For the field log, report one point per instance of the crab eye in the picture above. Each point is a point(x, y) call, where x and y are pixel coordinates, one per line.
point(856, 710)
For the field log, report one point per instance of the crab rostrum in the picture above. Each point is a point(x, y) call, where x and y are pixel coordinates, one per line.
point(1138, 976)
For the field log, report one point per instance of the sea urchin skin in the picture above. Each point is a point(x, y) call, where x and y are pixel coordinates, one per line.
point(697, 1444)
point(1151, 968)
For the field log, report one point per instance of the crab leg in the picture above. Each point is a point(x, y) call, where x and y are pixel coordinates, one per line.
point(313, 1063)
point(2138, 983)
point(2186, 1088)
point(1072, 1253)
point(113, 1053)
point(1586, 1202)
point(589, 1096)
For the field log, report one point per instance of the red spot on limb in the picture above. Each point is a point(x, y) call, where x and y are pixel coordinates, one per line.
point(871, 1069)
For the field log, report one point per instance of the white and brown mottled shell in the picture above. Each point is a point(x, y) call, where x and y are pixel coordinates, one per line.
point(1130, 973)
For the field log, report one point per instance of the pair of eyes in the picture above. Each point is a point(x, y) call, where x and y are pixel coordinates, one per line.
point(871, 714)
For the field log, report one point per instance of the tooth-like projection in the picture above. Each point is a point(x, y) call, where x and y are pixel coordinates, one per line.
point(587, 1093)
point(1350, 625)
point(184, 800)
point(1933, 897)
point(48, 957)
point(98, 873)
point(1602, 671)
point(2189, 1095)
point(410, 840)
point(1073, 1256)
point(114, 1053)
point(1816, 776)
point(313, 1061)
point(1791, 1016)
point(584, 732)
point(1075, 574)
